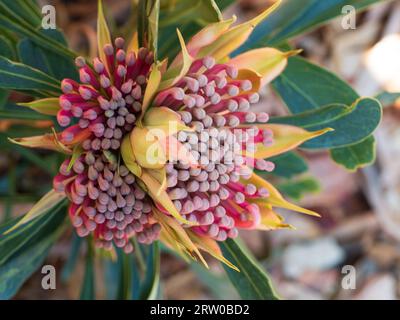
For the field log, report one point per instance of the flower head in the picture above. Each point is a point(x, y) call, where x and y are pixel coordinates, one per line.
point(215, 100)
point(108, 99)
point(169, 151)
point(107, 201)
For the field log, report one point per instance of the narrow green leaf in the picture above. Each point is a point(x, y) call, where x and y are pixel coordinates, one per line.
point(32, 8)
point(44, 205)
point(50, 62)
point(349, 128)
point(388, 98)
point(23, 251)
point(148, 19)
point(356, 156)
point(142, 22)
point(251, 282)
point(6, 48)
point(76, 153)
point(70, 265)
point(88, 284)
point(8, 224)
point(103, 33)
point(25, 235)
point(19, 131)
point(32, 156)
point(218, 285)
point(150, 285)
point(111, 157)
point(12, 111)
point(223, 4)
point(189, 16)
point(152, 29)
point(135, 281)
point(296, 17)
point(26, 9)
point(14, 75)
point(12, 20)
point(300, 91)
point(184, 11)
point(125, 275)
point(3, 97)
point(111, 276)
point(15, 271)
point(7, 51)
point(322, 116)
point(49, 106)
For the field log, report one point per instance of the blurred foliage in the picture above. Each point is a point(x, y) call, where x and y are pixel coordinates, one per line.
point(252, 282)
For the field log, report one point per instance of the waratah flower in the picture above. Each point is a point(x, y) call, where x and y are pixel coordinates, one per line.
point(170, 151)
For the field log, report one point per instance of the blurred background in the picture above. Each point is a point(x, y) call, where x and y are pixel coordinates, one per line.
point(360, 224)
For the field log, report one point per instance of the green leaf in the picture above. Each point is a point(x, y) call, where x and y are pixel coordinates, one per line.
point(189, 16)
point(295, 17)
point(4, 226)
point(304, 86)
point(103, 33)
point(111, 278)
point(12, 20)
point(298, 188)
point(44, 205)
point(13, 111)
point(19, 131)
point(388, 99)
point(288, 165)
point(125, 270)
point(24, 250)
point(27, 10)
point(76, 153)
point(48, 106)
point(251, 282)
point(322, 116)
point(3, 98)
point(14, 75)
point(148, 16)
point(361, 119)
point(33, 157)
point(223, 4)
point(14, 272)
point(356, 156)
point(184, 11)
point(6, 48)
point(70, 265)
point(301, 93)
point(88, 284)
point(150, 285)
point(14, 242)
point(52, 63)
point(29, 154)
point(217, 284)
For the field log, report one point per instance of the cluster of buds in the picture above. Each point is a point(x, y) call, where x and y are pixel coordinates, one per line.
point(106, 200)
point(108, 100)
point(213, 101)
